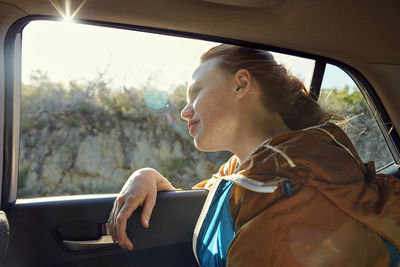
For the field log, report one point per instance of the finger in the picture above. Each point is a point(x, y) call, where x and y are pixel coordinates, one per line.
point(110, 232)
point(121, 234)
point(148, 206)
point(118, 204)
point(121, 221)
point(111, 223)
point(125, 243)
point(110, 228)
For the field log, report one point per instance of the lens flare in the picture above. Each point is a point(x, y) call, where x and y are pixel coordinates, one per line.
point(156, 99)
point(65, 12)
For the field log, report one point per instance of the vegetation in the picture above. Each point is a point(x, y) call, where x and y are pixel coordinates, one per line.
point(56, 119)
point(359, 124)
point(52, 113)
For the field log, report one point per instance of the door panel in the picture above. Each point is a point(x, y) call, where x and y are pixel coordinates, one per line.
point(38, 229)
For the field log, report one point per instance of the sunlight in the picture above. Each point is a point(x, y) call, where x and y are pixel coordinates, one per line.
point(66, 12)
point(129, 59)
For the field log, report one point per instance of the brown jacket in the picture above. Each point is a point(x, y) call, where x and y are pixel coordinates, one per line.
point(336, 217)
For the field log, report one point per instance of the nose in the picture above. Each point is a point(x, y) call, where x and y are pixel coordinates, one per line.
point(187, 112)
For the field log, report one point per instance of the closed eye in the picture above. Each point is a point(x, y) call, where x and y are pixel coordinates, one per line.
point(193, 92)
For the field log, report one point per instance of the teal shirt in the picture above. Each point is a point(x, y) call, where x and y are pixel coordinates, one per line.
point(217, 230)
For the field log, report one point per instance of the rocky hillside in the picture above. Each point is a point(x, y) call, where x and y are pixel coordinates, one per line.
point(87, 138)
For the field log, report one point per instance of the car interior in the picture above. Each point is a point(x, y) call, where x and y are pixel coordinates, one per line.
point(361, 38)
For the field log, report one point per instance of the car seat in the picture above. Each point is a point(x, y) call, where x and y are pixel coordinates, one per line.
point(4, 236)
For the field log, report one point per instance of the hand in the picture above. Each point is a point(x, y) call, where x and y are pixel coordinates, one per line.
point(139, 190)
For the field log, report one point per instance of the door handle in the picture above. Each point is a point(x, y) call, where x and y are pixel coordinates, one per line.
point(102, 242)
point(105, 240)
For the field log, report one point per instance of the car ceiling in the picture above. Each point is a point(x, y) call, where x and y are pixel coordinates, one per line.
point(354, 32)
point(361, 34)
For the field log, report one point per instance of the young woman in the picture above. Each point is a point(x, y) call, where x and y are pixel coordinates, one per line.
point(295, 193)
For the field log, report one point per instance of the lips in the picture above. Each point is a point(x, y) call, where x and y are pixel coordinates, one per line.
point(191, 125)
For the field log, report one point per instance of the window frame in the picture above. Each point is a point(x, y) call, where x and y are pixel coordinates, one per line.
point(13, 42)
point(385, 125)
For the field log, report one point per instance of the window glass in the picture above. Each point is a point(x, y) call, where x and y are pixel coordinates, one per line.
point(341, 96)
point(302, 68)
point(98, 103)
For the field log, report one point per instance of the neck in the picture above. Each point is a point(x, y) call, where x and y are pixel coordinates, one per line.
point(252, 134)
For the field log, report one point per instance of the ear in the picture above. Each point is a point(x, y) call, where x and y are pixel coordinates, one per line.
point(243, 82)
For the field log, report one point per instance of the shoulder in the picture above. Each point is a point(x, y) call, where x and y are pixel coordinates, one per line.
point(321, 139)
point(322, 152)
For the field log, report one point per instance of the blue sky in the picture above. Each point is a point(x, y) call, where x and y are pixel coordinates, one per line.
point(336, 78)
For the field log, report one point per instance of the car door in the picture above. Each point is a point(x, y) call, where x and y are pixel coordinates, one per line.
point(70, 232)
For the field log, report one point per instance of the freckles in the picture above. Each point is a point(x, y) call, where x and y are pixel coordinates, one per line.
point(212, 118)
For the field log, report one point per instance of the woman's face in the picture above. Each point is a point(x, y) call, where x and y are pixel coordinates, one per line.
point(210, 108)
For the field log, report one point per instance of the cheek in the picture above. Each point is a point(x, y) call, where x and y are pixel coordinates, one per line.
point(215, 122)
point(211, 119)
point(208, 112)
point(212, 110)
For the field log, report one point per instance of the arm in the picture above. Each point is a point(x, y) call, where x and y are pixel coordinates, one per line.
point(139, 190)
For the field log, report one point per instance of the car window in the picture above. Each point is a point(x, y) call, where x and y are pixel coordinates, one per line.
point(341, 96)
point(98, 103)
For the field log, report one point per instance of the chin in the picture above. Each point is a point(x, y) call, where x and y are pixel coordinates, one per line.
point(203, 145)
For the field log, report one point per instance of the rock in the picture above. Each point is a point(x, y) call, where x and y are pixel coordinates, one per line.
point(67, 160)
point(99, 155)
point(177, 150)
